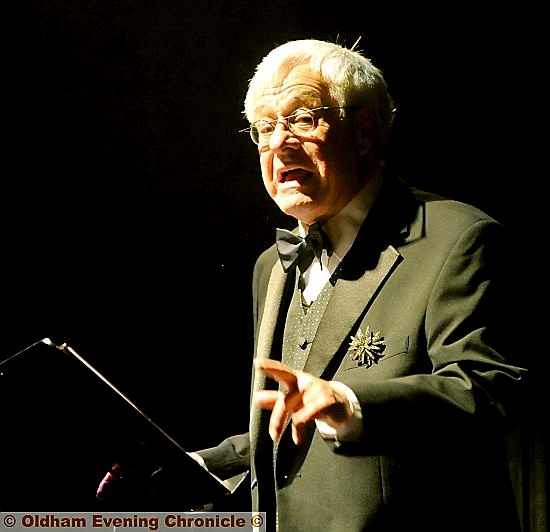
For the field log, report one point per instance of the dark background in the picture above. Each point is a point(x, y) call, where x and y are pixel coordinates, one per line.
point(125, 181)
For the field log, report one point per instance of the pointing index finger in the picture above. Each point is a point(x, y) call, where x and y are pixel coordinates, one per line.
point(282, 373)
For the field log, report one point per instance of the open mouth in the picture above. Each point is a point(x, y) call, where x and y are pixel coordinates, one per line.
point(294, 174)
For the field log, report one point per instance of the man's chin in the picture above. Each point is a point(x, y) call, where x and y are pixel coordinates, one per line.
point(300, 207)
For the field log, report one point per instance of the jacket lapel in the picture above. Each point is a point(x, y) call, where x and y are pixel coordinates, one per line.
point(344, 310)
point(266, 331)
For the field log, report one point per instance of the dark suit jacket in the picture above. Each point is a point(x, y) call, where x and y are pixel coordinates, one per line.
point(428, 274)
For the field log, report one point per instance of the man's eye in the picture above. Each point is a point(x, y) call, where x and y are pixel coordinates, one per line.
point(264, 127)
point(303, 120)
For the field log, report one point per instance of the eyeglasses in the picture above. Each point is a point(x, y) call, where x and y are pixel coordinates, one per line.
point(300, 123)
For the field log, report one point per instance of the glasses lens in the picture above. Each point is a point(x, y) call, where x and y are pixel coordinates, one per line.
point(260, 131)
point(254, 135)
point(302, 122)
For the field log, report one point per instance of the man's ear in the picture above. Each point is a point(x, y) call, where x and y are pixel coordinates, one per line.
point(363, 131)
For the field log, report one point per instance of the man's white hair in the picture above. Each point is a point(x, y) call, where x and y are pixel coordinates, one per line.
point(350, 76)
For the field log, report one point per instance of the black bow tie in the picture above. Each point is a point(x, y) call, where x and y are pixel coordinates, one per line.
point(295, 250)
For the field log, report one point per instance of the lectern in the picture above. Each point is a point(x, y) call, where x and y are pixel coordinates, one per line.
point(62, 427)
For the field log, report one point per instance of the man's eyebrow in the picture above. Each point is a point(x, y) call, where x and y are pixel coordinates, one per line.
point(307, 99)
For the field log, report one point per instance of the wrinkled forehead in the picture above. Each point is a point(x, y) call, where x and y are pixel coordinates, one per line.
point(290, 88)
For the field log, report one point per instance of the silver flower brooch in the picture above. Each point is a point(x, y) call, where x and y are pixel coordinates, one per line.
point(367, 348)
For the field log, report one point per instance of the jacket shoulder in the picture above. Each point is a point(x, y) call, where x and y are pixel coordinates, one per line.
point(266, 260)
point(450, 213)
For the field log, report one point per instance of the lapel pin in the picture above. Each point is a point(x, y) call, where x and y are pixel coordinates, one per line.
point(367, 348)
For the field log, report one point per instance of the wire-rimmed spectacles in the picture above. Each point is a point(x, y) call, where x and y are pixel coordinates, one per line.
point(301, 122)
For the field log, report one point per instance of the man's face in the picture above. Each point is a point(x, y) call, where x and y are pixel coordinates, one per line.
point(310, 177)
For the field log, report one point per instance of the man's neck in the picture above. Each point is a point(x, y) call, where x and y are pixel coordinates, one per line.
point(342, 228)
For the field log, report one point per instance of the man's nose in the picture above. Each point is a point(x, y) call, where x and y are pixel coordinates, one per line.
point(281, 135)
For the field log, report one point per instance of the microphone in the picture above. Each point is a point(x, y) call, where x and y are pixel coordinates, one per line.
point(105, 487)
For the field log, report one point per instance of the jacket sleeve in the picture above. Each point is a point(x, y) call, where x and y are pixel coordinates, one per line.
point(229, 458)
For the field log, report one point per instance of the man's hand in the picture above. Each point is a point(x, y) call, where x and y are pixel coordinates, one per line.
point(303, 399)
